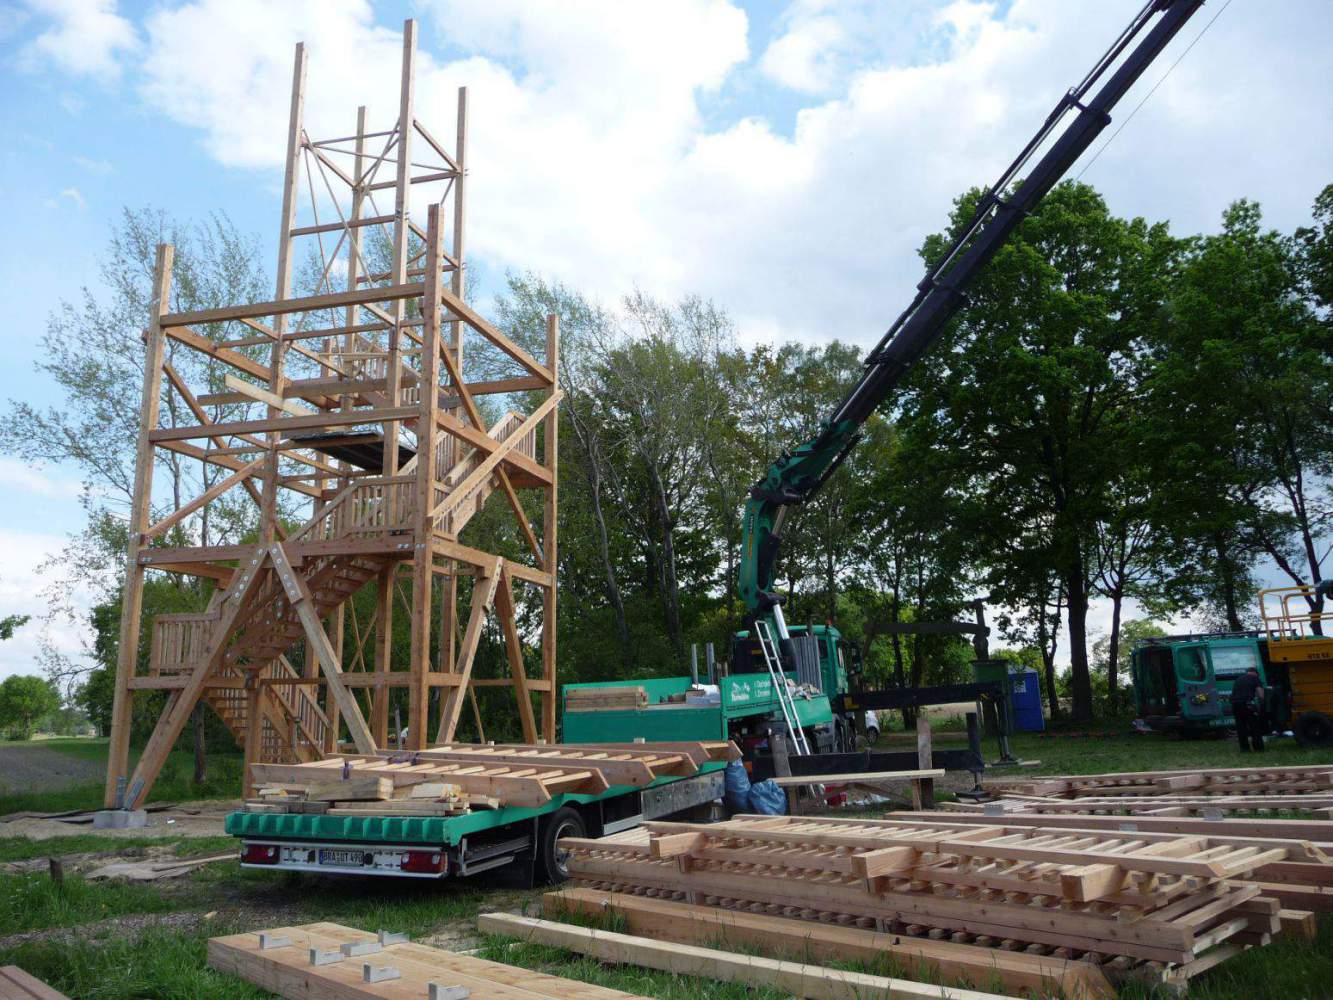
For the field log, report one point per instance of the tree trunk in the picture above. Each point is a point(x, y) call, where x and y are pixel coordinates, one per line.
point(1227, 565)
point(670, 592)
point(1113, 656)
point(200, 758)
point(613, 595)
point(1081, 679)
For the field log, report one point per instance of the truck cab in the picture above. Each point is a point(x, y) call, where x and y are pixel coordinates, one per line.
point(825, 659)
point(1182, 684)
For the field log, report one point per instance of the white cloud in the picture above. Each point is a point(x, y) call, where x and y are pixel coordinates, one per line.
point(23, 477)
point(70, 194)
point(94, 166)
point(85, 37)
point(592, 159)
point(21, 585)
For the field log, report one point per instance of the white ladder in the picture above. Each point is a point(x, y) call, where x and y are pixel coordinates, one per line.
point(779, 680)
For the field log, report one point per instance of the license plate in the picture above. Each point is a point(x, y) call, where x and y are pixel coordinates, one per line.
point(344, 859)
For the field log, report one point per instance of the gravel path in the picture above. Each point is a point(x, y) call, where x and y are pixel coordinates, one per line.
point(25, 767)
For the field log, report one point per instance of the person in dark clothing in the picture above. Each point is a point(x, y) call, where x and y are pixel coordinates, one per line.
point(1247, 705)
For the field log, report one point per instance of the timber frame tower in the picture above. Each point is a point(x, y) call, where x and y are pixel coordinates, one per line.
point(348, 407)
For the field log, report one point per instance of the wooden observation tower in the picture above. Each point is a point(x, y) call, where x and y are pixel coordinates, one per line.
point(348, 412)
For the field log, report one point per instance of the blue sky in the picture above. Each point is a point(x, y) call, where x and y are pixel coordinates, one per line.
point(784, 159)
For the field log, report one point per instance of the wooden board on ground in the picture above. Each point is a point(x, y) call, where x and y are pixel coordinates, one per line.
point(860, 778)
point(288, 971)
point(800, 980)
point(782, 937)
point(15, 984)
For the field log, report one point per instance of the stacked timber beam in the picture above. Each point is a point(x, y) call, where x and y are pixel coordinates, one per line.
point(1302, 789)
point(796, 978)
point(460, 778)
point(350, 411)
point(1154, 908)
point(330, 960)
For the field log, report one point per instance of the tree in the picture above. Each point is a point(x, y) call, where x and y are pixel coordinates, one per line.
point(95, 696)
point(23, 700)
point(1113, 658)
point(1035, 390)
point(11, 624)
point(1242, 388)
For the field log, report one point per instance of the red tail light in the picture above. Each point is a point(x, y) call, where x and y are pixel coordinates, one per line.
point(423, 862)
point(260, 854)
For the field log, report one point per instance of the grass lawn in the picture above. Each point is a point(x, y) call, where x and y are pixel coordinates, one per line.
point(1068, 754)
point(104, 941)
point(175, 784)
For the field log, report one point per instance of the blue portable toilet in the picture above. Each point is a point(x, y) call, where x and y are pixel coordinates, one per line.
point(1025, 698)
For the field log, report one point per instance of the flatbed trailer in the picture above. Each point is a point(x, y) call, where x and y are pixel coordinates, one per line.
point(518, 838)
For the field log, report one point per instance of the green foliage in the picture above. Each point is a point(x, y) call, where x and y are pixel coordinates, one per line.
point(24, 700)
point(11, 623)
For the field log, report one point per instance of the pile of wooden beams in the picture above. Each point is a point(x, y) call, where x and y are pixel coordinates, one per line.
point(1304, 789)
point(921, 958)
point(612, 698)
point(330, 960)
point(1138, 906)
point(458, 778)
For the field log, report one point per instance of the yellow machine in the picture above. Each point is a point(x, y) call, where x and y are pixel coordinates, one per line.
point(1294, 638)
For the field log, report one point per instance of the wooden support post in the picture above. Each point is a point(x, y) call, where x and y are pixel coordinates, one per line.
point(254, 731)
point(401, 230)
point(925, 791)
point(379, 695)
point(131, 612)
point(483, 594)
point(508, 615)
point(292, 178)
point(549, 536)
point(423, 566)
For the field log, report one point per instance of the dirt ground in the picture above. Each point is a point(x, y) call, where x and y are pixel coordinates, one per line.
point(24, 767)
point(198, 819)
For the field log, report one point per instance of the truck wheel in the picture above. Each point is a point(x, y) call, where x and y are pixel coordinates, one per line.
point(564, 822)
point(1314, 729)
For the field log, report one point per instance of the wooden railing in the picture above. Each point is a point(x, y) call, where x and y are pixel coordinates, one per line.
point(454, 522)
point(367, 507)
point(179, 642)
point(309, 723)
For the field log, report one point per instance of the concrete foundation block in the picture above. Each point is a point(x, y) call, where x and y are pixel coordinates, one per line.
point(120, 819)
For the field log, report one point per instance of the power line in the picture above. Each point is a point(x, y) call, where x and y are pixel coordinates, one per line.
point(1130, 117)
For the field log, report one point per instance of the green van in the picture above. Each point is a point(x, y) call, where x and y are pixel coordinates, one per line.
point(1182, 684)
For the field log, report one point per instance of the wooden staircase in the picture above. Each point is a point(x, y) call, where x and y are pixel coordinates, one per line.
point(294, 728)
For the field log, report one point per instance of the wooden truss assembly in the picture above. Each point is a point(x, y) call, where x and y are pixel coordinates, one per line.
point(330, 960)
point(350, 411)
point(1306, 789)
point(1263, 781)
point(1154, 907)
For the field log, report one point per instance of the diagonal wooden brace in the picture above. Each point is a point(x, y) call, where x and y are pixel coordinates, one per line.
point(507, 612)
point(483, 594)
point(172, 721)
point(299, 595)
